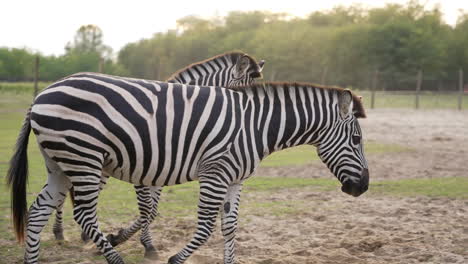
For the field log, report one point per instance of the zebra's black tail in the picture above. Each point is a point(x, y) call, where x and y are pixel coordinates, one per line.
point(17, 179)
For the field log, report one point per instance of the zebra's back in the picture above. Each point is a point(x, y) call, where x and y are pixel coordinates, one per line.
point(145, 132)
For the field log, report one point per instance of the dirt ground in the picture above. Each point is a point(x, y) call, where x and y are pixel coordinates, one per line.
point(373, 228)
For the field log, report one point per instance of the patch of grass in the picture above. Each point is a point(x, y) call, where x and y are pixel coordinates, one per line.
point(452, 187)
point(21, 87)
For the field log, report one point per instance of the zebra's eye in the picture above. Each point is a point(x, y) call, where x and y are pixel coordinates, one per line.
point(356, 140)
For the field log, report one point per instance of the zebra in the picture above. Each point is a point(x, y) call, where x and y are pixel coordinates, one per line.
point(164, 134)
point(227, 69)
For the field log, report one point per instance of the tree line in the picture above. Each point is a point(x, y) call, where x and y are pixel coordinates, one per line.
point(343, 46)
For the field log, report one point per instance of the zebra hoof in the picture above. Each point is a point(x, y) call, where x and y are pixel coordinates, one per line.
point(58, 233)
point(173, 260)
point(114, 240)
point(84, 237)
point(150, 253)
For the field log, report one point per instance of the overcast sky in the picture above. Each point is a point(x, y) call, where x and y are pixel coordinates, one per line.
point(47, 25)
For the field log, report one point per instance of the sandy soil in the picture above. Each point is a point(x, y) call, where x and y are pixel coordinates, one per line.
point(336, 228)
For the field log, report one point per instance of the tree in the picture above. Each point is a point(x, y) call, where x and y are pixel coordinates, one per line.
point(88, 39)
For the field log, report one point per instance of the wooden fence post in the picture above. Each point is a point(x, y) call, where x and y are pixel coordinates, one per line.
point(374, 87)
point(101, 65)
point(460, 84)
point(418, 89)
point(36, 76)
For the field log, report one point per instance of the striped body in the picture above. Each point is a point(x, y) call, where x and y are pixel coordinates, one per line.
point(148, 133)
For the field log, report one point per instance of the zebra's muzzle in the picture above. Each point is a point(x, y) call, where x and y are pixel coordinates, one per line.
point(357, 188)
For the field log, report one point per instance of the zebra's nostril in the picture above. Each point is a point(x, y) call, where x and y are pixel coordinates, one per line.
point(364, 188)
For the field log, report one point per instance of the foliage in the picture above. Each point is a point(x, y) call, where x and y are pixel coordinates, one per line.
point(339, 47)
point(88, 39)
point(86, 53)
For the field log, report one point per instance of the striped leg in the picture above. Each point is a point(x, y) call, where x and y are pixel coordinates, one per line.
point(51, 196)
point(104, 179)
point(148, 198)
point(85, 176)
point(145, 238)
point(212, 193)
point(58, 225)
point(229, 221)
point(86, 197)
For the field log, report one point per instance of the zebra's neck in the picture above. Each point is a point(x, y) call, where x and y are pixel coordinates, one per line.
point(287, 115)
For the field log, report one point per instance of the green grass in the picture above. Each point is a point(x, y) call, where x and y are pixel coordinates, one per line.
point(453, 187)
point(21, 87)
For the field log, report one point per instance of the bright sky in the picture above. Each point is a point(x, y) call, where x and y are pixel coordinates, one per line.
point(47, 25)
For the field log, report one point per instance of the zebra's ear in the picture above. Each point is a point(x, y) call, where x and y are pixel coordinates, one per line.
point(260, 65)
point(243, 64)
point(345, 103)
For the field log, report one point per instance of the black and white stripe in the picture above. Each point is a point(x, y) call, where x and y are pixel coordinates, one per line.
point(165, 134)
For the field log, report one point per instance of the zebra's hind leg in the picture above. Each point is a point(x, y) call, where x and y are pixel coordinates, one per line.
point(49, 199)
point(229, 218)
point(85, 237)
point(58, 225)
point(212, 193)
point(86, 190)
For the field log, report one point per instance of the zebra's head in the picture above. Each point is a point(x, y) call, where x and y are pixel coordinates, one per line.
point(341, 147)
point(245, 70)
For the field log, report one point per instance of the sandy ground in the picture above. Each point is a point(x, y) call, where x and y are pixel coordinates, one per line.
point(336, 228)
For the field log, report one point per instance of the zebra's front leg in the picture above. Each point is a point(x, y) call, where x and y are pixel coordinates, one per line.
point(212, 193)
point(229, 218)
point(145, 237)
point(147, 203)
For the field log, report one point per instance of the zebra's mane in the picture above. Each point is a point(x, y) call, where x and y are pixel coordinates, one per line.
point(358, 106)
point(232, 56)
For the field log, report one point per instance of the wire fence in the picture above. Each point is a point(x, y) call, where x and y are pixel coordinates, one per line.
point(417, 91)
point(407, 99)
point(379, 90)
